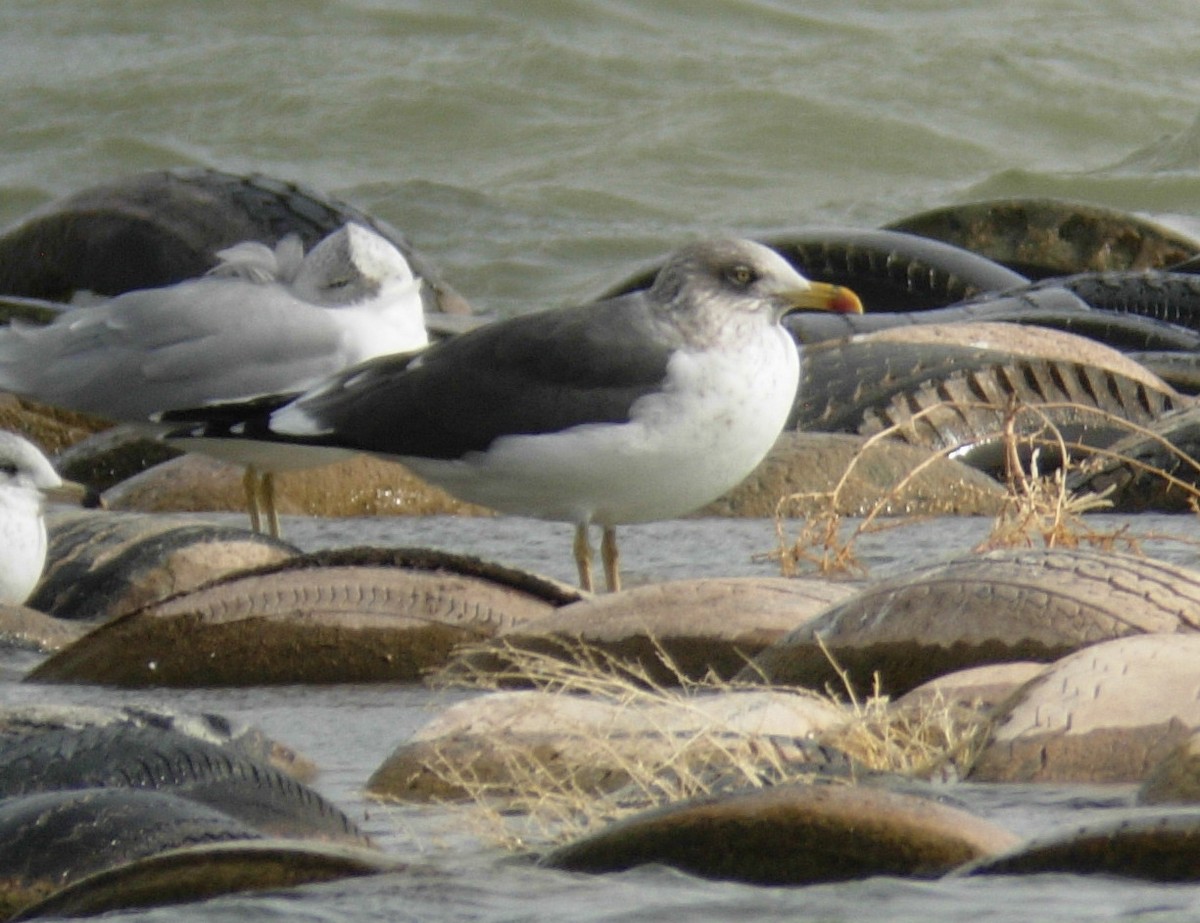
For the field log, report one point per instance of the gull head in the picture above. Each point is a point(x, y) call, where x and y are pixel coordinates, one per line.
point(705, 285)
point(23, 466)
point(351, 265)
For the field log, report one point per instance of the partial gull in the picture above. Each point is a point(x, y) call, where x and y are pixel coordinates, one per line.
point(260, 322)
point(25, 474)
point(630, 409)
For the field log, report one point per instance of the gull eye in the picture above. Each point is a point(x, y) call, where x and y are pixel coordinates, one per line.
point(741, 275)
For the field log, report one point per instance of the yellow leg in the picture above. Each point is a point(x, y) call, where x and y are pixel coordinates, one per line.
point(611, 557)
point(250, 485)
point(583, 556)
point(267, 486)
point(260, 501)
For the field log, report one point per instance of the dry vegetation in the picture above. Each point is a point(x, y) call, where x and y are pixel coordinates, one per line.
point(937, 739)
point(541, 798)
point(1039, 507)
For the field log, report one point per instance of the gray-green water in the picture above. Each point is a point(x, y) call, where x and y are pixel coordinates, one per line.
point(538, 151)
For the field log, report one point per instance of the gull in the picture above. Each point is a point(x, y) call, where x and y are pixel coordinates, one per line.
point(25, 474)
point(634, 408)
point(261, 321)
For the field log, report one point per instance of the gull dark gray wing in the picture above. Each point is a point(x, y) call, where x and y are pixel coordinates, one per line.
point(538, 373)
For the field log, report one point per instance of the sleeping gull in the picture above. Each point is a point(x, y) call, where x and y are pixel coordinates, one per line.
point(24, 474)
point(639, 407)
point(262, 321)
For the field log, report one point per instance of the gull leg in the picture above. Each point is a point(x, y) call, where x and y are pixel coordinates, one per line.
point(267, 486)
point(583, 556)
point(611, 557)
point(250, 485)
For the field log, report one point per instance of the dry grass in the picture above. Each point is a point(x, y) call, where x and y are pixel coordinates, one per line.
point(546, 793)
point(821, 543)
point(935, 739)
point(1039, 507)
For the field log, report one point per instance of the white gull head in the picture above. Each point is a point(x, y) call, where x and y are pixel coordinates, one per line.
point(24, 474)
point(351, 266)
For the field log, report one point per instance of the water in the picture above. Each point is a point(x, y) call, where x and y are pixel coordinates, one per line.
point(457, 876)
point(540, 151)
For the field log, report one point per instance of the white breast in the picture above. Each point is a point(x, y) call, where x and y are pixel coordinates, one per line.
point(22, 543)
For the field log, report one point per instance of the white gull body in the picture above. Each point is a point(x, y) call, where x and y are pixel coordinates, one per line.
point(262, 321)
point(639, 407)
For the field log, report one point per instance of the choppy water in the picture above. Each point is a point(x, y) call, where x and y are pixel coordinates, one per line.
point(538, 151)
